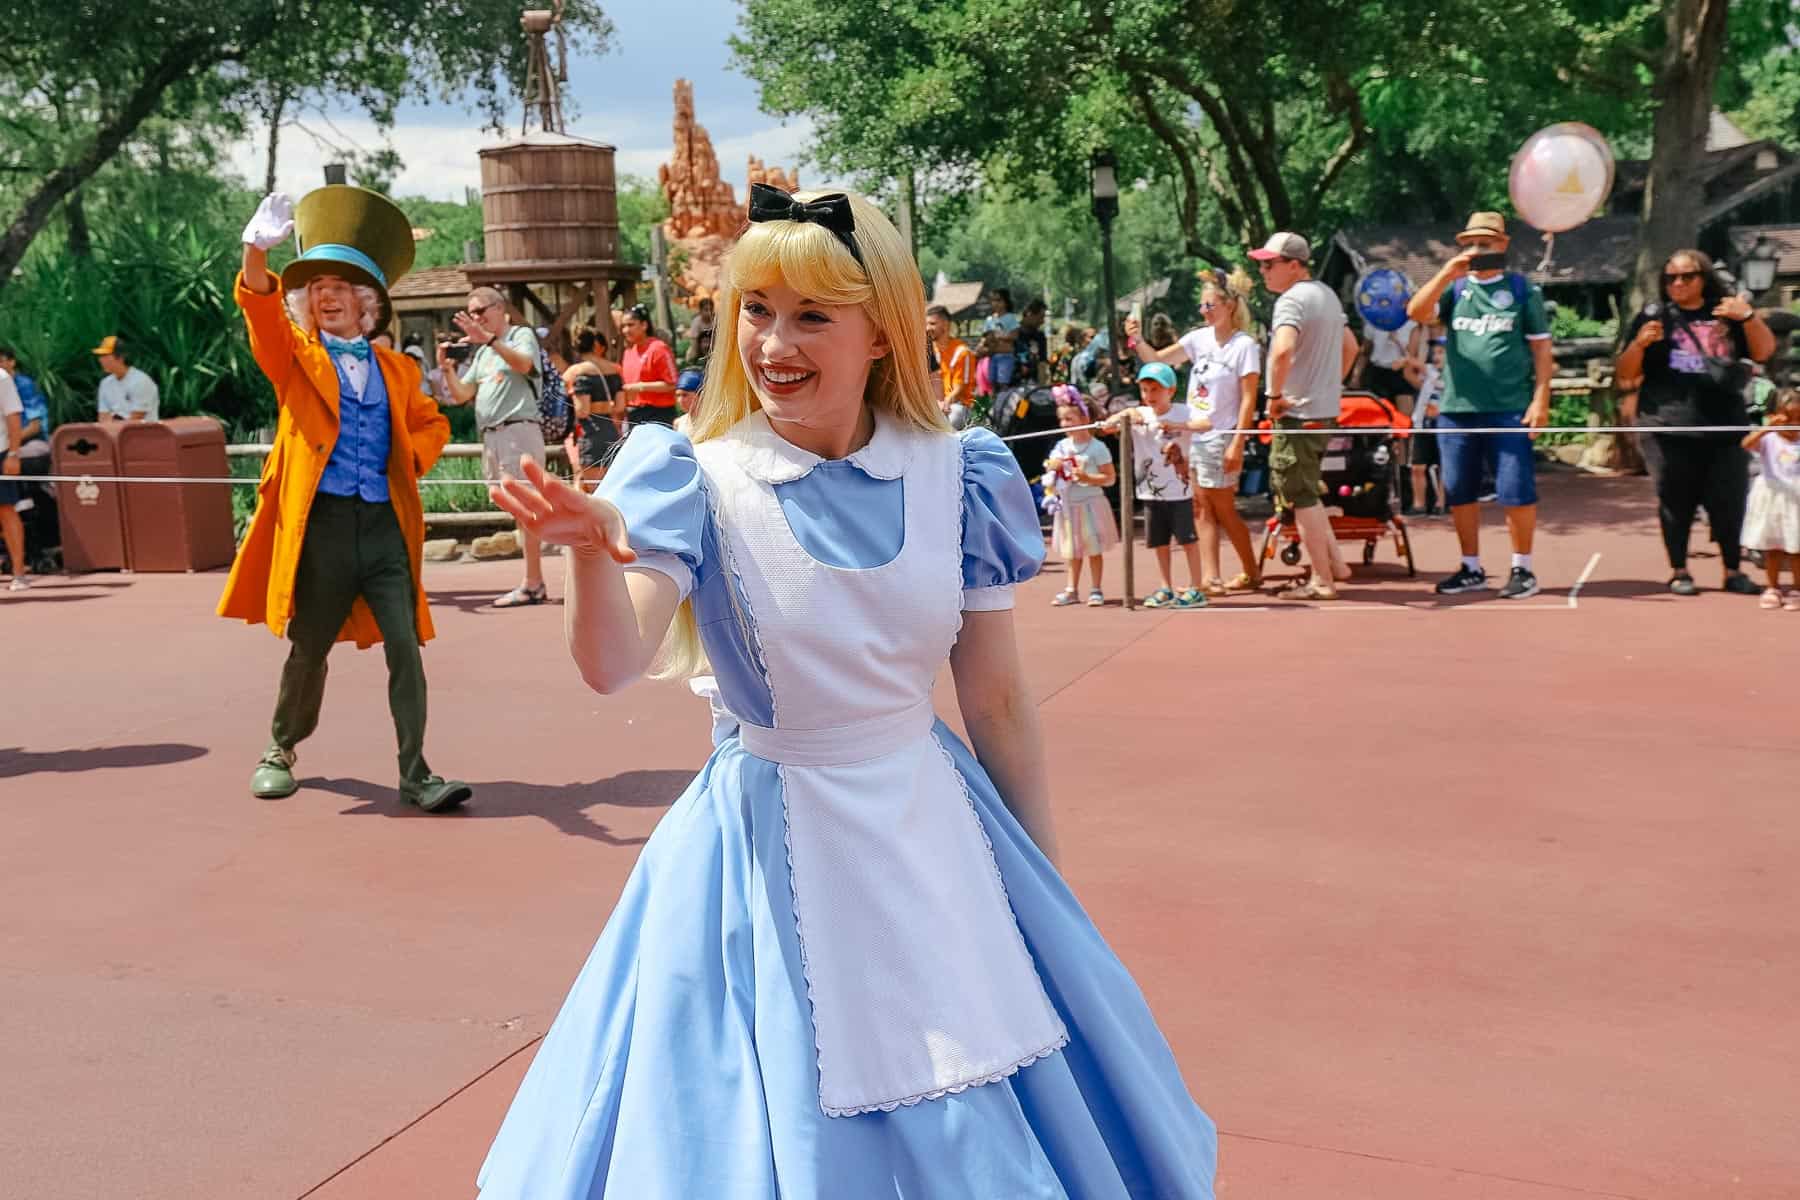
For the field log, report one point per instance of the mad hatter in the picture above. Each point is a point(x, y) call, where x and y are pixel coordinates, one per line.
point(333, 552)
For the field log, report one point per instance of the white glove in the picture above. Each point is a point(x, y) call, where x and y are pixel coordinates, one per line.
point(273, 223)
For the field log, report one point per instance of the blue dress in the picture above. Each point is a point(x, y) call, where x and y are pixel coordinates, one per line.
point(716, 1045)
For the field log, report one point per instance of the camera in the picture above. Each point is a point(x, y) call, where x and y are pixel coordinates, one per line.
point(458, 352)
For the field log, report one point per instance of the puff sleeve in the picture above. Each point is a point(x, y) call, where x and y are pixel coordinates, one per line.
point(656, 483)
point(1002, 544)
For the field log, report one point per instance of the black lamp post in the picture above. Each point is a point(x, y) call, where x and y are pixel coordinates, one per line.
point(1103, 184)
point(1759, 266)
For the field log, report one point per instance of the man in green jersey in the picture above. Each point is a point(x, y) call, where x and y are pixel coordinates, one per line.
point(1497, 373)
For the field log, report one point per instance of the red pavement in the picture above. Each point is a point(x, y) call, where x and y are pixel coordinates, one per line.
point(1434, 900)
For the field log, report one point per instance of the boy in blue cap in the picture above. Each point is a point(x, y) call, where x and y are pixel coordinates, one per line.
point(687, 396)
point(1164, 487)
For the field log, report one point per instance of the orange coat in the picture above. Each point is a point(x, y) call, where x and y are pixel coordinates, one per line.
point(261, 587)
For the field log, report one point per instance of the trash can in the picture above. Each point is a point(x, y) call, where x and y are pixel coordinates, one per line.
point(177, 526)
point(90, 514)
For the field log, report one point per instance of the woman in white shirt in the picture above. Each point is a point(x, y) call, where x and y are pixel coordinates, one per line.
point(1221, 400)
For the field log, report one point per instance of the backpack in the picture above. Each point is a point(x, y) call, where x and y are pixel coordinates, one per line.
point(556, 416)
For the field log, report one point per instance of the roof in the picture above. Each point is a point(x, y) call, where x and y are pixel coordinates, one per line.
point(1599, 252)
point(540, 138)
point(1145, 295)
point(958, 297)
point(1630, 174)
point(1785, 237)
point(431, 282)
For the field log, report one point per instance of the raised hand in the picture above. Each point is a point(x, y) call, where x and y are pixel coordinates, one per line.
point(545, 505)
point(272, 223)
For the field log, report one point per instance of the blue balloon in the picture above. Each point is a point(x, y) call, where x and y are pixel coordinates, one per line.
point(1381, 297)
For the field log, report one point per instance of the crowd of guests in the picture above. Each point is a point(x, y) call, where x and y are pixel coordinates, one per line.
point(1470, 369)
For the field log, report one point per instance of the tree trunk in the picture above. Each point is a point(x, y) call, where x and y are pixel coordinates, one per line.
point(1674, 195)
point(277, 107)
point(81, 240)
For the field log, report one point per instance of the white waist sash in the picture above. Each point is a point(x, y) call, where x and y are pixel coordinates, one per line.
point(920, 982)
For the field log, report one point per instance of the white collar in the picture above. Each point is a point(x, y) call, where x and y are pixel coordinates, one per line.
point(767, 456)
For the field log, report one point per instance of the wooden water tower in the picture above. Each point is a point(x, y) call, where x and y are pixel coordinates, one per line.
point(550, 209)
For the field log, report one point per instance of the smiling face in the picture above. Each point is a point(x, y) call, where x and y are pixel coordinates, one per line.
point(1216, 308)
point(1068, 417)
point(808, 363)
point(1683, 281)
point(337, 310)
point(635, 329)
point(936, 327)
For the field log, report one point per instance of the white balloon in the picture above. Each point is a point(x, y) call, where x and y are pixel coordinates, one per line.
point(1561, 176)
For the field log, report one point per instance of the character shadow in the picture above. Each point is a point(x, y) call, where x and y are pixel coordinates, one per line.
point(479, 600)
point(566, 806)
point(16, 760)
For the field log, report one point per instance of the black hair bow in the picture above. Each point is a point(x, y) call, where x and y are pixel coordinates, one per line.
point(833, 212)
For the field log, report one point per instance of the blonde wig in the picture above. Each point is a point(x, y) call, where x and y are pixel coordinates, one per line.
point(809, 259)
point(1236, 288)
point(300, 308)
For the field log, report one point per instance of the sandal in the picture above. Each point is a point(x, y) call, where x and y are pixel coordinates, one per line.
point(1308, 591)
point(1791, 602)
point(1063, 598)
point(1096, 599)
point(1244, 582)
point(1216, 587)
point(1160, 598)
point(1191, 598)
point(522, 596)
point(1771, 600)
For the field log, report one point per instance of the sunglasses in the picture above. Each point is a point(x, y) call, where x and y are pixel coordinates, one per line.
point(1677, 276)
point(475, 310)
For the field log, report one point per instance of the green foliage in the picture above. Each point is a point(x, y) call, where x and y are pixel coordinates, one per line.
point(641, 206)
point(451, 224)
point(1566, 323)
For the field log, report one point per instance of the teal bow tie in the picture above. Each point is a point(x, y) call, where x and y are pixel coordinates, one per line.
point(357, 348)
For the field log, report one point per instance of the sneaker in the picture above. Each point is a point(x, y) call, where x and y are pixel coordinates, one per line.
point(1466, 579)
point(273, 778)
point(1096, 599)
point(1191, 598)
point(1740, 584)
point(1791, 601)
point(1520, 585)
point(18, 584)
point(1063, 598)
point(1682, 584)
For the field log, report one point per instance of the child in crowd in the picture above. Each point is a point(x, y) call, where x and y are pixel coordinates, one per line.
point(1423, 452)
point(687, 397)
point(1078, 468)
point(1164, 487)
point(1772, 523)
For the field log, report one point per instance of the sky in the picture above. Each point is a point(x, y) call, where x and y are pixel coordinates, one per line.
point(623, 96)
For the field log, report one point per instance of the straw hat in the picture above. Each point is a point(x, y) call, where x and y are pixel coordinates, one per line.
point(1483, 225)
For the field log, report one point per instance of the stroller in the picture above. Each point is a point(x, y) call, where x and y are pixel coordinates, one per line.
point(1361, 479)
point(1027, 410)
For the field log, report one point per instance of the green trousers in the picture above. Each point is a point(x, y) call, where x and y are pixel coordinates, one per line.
point(353, 548)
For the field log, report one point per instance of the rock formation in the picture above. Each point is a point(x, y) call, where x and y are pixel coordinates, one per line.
point(705, 213)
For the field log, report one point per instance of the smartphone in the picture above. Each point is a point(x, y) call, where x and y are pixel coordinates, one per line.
point(1488, 262)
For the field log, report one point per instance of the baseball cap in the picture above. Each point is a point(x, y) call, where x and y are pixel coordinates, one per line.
point(689, 380)
point(108, 345)
point(1284, 245)
point(1163, 373)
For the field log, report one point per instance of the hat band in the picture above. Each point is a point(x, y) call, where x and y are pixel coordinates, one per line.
point(338, 252)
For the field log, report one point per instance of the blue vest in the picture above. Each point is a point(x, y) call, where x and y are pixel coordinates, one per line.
point(359, 460)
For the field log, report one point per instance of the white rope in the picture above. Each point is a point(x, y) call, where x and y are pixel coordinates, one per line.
point(1331, 431)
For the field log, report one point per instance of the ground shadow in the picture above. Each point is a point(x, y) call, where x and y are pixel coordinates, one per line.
point(16, 761)
point(39, 595)
point(478, 599)
point(566, 806)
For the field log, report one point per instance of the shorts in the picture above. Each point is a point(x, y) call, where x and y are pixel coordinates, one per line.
point(1206, 463)
point(595, 438)
point(1001, 368)
point(1424, 452)
point(1508, 455)
point(651, 414)
point(503, 446)
point(1386, 382)
point(12, 487)
point(1169, 519)
point(1296, 462)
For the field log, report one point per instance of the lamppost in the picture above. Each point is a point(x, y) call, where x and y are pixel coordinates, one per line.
point(1759, 265)
point(1103, 184)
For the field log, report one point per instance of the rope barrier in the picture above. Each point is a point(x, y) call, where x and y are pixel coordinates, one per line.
point(1334, 431)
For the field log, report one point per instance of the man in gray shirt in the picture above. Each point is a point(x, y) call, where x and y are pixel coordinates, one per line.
point(1310, 352)
point(502, 381)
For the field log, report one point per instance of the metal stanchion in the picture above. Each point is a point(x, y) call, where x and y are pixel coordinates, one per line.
point(1127, 510)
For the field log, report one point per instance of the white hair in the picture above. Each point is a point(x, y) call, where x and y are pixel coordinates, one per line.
point(299, 306)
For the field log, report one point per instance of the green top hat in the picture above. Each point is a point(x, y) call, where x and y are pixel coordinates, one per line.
point(352, 233)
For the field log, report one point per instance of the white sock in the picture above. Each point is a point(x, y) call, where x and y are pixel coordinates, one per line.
point(1522, 560)
point(1472, 561)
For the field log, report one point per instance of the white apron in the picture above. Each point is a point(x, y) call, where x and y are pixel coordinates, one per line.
point(919, 979)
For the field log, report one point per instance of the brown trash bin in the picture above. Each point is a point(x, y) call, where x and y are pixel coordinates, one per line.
point(177, 526)
point(90, 514)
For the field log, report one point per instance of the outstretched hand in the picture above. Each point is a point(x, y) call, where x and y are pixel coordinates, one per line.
point(545, 505)
point(273, 222)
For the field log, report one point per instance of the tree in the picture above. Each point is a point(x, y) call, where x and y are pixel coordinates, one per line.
point(110, 67)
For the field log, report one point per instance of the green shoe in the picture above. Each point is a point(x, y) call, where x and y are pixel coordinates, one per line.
point(273, 778)
point(433, 794)
point(1191, 598)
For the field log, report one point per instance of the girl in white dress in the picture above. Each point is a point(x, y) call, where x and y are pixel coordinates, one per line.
point(1772, 522)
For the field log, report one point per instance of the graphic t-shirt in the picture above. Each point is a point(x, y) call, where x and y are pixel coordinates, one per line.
point(1091, 459)
point(1780, 463)
point(1487, 361)
point(1155, 474)
point(1677, 388)
point(1388, 347)
point(1214, 387)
